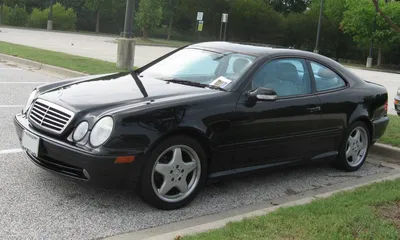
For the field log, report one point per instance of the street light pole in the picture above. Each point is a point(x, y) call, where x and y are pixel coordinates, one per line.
point(50, 19)
point(371, 47)
point(129, 19)
point(319, 26)
point(126, 43)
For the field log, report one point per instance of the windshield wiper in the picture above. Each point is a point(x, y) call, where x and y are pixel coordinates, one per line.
point(195, 84)
point(139, 83)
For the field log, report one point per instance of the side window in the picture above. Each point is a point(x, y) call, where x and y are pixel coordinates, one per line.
point(288, 77)
point(326, 79)
point(237, 65)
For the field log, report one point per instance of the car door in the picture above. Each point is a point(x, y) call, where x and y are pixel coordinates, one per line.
point(272, 132)
point(333, 93)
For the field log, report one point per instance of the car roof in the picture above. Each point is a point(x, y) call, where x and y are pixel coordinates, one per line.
point(258, 50)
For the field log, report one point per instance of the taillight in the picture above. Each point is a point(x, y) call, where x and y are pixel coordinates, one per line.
point(386, 106)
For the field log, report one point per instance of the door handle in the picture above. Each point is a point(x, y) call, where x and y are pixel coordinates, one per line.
point(314, 109)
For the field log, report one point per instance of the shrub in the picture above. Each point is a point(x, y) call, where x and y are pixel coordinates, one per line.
point(16, 16)
point(63, 18)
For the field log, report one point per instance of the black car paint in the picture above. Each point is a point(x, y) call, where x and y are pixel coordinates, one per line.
point(236, 135)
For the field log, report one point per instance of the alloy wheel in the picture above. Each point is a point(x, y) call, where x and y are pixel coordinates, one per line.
point(357, 146)
point(176, 173)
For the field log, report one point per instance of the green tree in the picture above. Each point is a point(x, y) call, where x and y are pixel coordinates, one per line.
point(149, 15)
point(100, 7)
point(289, 6)
point(256, 21)
point(359, 21)
point(171, 7)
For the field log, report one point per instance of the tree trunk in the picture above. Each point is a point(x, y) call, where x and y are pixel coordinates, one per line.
point(379, 61)
point(98, 21)
point(145, 34)
point(171, 20)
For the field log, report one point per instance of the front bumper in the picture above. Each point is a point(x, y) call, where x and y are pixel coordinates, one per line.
point(70, 161)
point(397, 104)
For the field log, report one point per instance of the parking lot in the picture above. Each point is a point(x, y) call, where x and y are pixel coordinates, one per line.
point(36, 204)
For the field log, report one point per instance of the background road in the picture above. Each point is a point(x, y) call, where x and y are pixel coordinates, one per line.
point(102, 47)
point(92, 46)
point(36, 204)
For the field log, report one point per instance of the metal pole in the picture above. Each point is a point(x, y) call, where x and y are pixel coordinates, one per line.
point(51, 11)
point(220, 31)
point(50, 17)
point(129, 19)
point(226, 26)
point(319, 26)
point(371, 48)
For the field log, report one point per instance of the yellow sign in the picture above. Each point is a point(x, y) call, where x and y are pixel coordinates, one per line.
point(200, 26)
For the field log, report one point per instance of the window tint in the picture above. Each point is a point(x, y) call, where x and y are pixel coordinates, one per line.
point(288, 77)
point(326, 79)
point(236, 62)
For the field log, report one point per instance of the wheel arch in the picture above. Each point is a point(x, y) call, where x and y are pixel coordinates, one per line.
point(191, 132)
point(364, 119)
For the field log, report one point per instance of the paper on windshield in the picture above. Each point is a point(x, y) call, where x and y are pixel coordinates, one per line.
point(221, 82)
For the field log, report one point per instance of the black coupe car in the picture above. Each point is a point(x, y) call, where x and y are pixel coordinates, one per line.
point(203, 112)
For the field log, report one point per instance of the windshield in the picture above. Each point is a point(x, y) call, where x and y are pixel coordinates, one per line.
point(201, 66)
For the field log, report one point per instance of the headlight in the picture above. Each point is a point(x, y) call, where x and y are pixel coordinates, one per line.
point(29, 102)
point(80, 131)
point(101, 131)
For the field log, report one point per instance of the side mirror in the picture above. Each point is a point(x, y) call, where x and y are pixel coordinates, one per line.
point(263, 94)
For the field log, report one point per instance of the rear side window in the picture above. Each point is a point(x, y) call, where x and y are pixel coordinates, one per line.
point(326, 79)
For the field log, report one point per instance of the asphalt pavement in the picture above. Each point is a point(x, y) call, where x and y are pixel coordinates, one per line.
point(36, 204)
point(85, 45)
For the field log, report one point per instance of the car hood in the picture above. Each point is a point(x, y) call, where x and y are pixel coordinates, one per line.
point(101, 92)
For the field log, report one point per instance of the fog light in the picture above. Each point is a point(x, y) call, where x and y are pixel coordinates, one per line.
point(86, 174)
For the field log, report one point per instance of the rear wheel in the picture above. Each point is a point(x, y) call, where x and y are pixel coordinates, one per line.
point(354, 149)
point(174, 173)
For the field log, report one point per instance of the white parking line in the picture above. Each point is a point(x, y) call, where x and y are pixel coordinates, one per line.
point(11, 106)
point(23, 82)
point(9, 151)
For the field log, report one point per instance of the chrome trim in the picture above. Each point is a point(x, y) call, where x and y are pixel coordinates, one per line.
point(44, 113)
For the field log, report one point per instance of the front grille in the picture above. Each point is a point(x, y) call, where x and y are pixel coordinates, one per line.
point(50, 116)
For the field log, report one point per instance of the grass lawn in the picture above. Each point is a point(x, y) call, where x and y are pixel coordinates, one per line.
point(392, 135)
point(72, 62)
point(371, 212)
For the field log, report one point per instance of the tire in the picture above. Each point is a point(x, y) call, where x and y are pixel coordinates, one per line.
point(345, 161)
point(168, 174)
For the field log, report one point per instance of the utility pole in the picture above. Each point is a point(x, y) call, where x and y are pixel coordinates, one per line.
point(321, 10)
point(126, 43)
point(371, 47)
point(50, 19)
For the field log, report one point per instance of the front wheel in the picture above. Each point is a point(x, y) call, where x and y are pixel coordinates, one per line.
point(354, 149)
point(174, 173)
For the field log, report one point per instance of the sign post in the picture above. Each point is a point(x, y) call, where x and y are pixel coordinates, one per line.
point(199, 24)
point(224, 25)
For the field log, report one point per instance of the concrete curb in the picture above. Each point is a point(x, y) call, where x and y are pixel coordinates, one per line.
point(392, 153)
point(40, 66)
point(223, 222)
point(206, 223)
